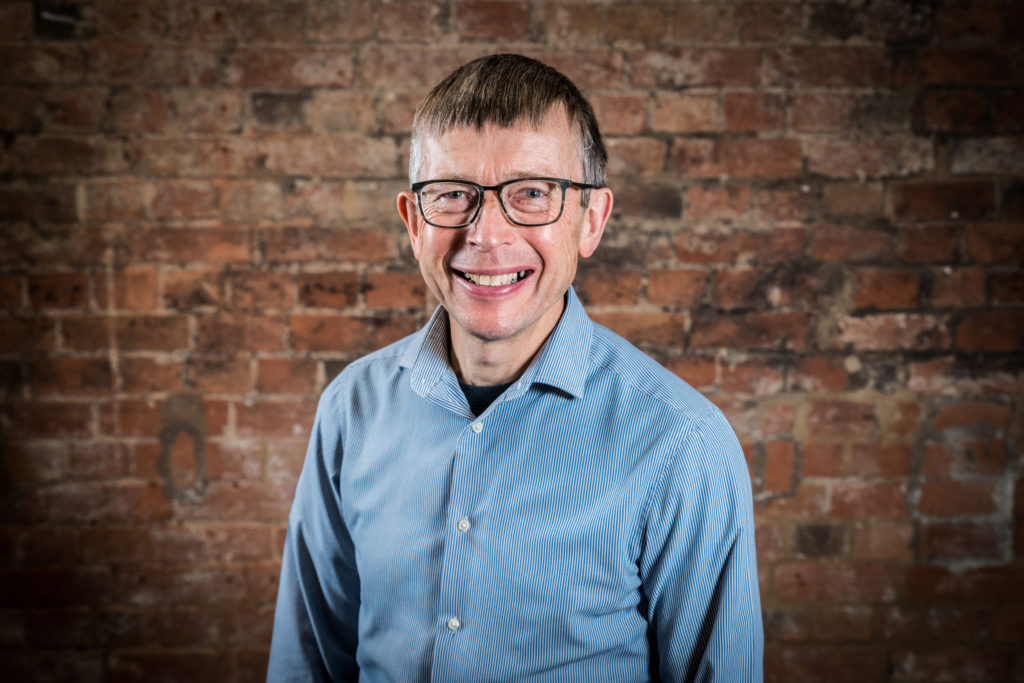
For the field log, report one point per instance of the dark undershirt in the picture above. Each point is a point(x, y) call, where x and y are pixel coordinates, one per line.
point(479, 397)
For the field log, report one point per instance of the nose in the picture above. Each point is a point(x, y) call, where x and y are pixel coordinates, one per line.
point(491, 228)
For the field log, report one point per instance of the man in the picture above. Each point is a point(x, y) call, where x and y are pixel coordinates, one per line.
point(515, 493)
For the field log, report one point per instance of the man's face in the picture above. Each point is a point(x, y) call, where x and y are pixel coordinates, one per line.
point(526, 310)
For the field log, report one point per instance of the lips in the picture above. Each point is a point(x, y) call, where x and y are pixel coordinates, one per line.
point(497, 280)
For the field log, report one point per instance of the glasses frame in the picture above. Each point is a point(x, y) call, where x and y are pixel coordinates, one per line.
point(563, 183)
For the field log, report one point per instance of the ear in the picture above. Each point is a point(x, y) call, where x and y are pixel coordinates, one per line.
point(410, 214)
point(594, 219)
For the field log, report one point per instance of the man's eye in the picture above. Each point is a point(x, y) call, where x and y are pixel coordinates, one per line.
point(454, 194)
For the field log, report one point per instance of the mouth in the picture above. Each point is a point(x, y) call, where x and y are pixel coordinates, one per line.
point(500, 280)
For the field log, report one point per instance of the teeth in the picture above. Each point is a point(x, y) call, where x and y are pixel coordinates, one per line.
point(494, 280)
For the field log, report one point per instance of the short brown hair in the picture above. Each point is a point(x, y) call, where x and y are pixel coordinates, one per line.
point(505, 89)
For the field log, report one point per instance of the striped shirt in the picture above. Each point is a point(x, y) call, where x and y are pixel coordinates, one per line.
point(594, 523)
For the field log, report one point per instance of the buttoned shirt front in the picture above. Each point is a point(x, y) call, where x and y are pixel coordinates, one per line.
point(594, 523)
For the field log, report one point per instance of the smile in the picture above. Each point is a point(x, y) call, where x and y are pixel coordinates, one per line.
point(493, 280)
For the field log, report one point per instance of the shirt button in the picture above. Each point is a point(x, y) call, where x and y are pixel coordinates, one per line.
point(478, 427)
point(464, 524)
point(454, 624)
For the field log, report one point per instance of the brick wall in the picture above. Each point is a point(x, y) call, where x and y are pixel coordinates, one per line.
point(819, 224)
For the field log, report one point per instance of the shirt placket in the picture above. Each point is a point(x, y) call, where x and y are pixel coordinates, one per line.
point(454, 626)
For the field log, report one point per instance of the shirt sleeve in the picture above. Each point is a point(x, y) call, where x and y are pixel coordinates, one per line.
point(316, 618)
point(698, 563)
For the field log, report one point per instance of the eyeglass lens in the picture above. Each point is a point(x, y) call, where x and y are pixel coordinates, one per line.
point(526, 202)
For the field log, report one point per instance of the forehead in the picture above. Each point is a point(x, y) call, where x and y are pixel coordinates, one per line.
point(495, 153)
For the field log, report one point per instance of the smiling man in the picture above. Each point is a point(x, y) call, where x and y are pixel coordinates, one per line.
point(515, 493)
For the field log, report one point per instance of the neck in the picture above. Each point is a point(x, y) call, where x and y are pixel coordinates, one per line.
point(487, 362)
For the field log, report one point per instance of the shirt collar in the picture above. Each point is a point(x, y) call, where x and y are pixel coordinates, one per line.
point(561, 364)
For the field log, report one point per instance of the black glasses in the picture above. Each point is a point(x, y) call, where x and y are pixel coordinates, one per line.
point(526, 202)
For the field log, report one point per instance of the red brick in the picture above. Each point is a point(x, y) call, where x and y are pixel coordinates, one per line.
point(50, 203)
point(86, 333)
point(491, 20)
point(331, 21)
point(845, 663)
point(960, 541)
point(960, 111)
point(219, 375)
point(338, 155)
point(972, 67)
point(739, 157)
point(952, 664)
point(873, 158)
point(779, 464)
point(973, 415)
point(133, 288)
point(964, 458)
point(840, 623)
point(328, 290)
point(205, 156)
point(809, 500)
point(184, 200)
point(1005, 288)
point(410, 67)
point(635, 156)
point(276, 23)
point(291, 67)
point(1006, 108)
point(943, 201)
point(736, 288)
point(397, 289)
point(250, 200)
point(678, 68)
point(231, 332)
point(644, 329)
point(841, 67)
point(852, 199)
point(885, 331)
point(152, 333)
point(58, 290)
point(315, 332)
point(70, 376)
point(854, 500)
point(752, 331)
point(334, 246)
point(192, 288)
point(262, 289)
point(697, 371)
point(928, 243)
point(619, 113)
point(861, 582)
point(950, 498)
point(817, 375)
point(947, 376)
point(885, 289)
point(995, 242)
point(121, 200)
point(275, 418)
point(842, 418)
point(968, 20)
point(684, 113)
point(957, 287)
point(991, 331)
point(190, 245)
point(989, 583)
point(572, 23)
point(136, 63)
point(862, 461)
point(286, 375)
point(783, 206)
point(215, 111)
point(139, 111)
point(753, 111)
point(759, 377)
point(821, 113)
point(740, 247)
point(637, 23)
point(43, 64)
point(723, 202)
point(883, 540)
point(410, 21)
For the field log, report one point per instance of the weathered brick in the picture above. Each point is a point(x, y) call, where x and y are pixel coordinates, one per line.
point(836, 67)
point(620, 114)
point(737, 157)
point(878, 157)
point(677, 287)
point(783, 330)
point(960, 540)
point(991, 331)
point(328, 290)
point(885, 289)
point(943, 201)
point(491, 19)
point(995, 242)
point(280, 67)
point(682, 68)
point(637, 23)
point(722, 202)
point(894, 331)
point(407, 290)
point(753, 111)
point(855, 581)
point(362, 334)
point(231, 332)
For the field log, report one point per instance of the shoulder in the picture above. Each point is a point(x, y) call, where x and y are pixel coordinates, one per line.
point(613, 355)
point(376, 369)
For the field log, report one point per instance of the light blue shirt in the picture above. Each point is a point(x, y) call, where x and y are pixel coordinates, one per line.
point(594, 523)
